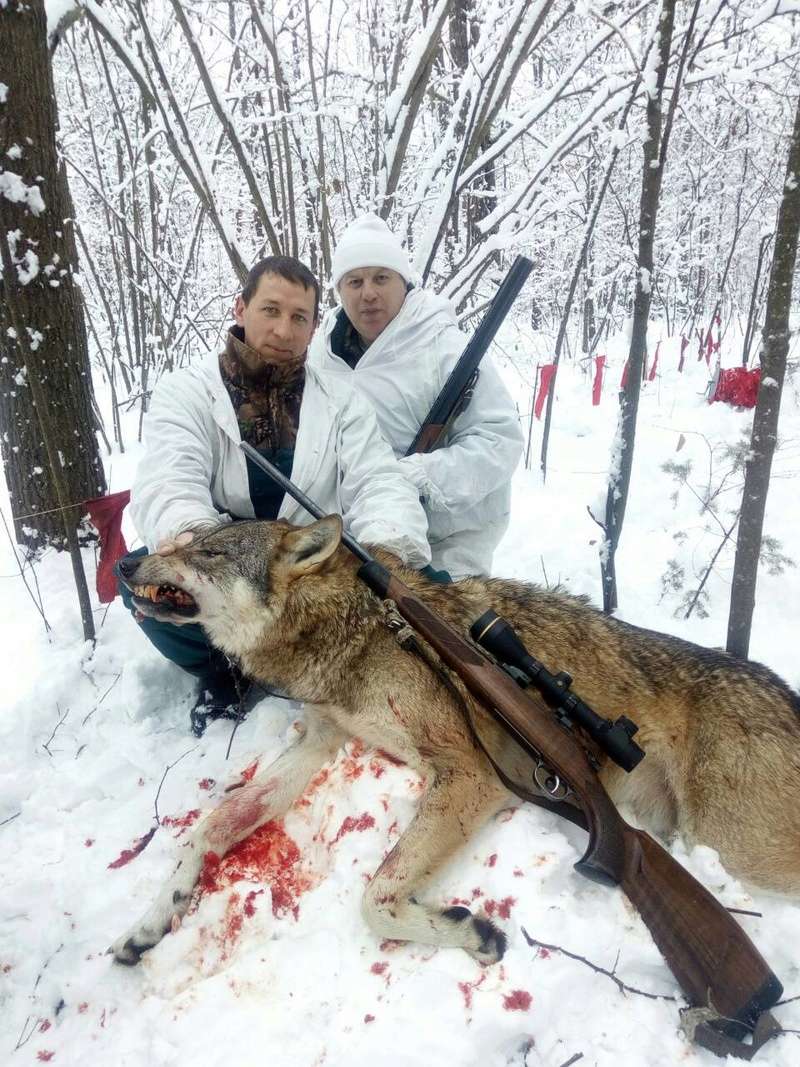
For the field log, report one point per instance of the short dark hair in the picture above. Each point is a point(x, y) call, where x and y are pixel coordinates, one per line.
point(285, 267)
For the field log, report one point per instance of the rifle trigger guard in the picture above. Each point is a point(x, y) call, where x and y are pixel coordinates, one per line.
point(549, 782)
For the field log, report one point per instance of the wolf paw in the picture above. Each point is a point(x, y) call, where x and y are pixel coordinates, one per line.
point(129, 948)
point(484, 941)
point(493, 941)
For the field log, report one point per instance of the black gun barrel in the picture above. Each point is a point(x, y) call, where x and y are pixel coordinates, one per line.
point(477, 346)
point(498, 637)
point(301, 498)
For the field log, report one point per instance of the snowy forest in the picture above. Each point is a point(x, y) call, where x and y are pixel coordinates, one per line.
point(645, 156)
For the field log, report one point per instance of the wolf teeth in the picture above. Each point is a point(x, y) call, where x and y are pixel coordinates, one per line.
point(148, 592)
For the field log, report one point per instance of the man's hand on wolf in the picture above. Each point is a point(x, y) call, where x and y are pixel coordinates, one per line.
point(171, 544)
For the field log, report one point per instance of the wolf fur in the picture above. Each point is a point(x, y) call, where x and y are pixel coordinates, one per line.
point(722, 735)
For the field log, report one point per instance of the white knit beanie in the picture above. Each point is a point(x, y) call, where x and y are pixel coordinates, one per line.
point(368, 242)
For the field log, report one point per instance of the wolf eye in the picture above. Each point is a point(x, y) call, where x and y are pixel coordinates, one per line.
point(209, 552)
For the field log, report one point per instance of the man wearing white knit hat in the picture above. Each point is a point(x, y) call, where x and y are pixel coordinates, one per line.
point(397, 344)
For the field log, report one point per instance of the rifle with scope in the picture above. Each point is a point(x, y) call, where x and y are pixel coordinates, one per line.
point(716, 964)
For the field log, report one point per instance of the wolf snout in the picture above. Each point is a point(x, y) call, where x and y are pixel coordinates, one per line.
point(128, 566)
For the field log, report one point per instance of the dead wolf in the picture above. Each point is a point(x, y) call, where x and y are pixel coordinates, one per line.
point(722, 735)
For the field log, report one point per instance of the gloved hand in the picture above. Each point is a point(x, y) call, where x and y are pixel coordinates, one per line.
point(442, 577)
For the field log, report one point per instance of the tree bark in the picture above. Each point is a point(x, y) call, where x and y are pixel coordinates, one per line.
point(49, 447)
point(654, 160)
point(774, 348)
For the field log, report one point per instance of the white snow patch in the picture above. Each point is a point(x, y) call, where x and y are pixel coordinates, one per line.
point(27, 267)
point(13, 188)
point(35, 336)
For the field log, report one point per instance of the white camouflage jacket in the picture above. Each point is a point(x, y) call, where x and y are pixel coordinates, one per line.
point(193, 468)
point(466, 485)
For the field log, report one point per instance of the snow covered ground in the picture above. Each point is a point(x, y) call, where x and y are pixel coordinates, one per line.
point(274, 965)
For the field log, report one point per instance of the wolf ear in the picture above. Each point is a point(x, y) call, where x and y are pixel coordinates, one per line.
point(309, 547)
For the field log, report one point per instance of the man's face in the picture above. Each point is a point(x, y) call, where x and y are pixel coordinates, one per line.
point(278, 320)
point(371, 297)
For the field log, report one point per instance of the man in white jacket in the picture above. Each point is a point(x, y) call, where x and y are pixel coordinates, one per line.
point(397, 344)
point(313, 426)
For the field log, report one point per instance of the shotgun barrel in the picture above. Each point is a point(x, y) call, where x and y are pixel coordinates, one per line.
point(456, 390)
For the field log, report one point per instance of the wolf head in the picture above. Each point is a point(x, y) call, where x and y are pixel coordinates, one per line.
point(233, 579)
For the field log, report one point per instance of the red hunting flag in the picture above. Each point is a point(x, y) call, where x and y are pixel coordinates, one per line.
point(652, 373)
point(684, 346)
point(709, 347)
point(597, 385)
point(105, 513)
point(624, 379)
point(545, 381)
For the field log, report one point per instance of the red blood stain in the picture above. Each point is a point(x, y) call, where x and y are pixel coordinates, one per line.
point(517, 1000)
point(392, 829)
point(518, 873)
point(364, 822)
point(467, 990)
point(44, 1026)
point(352, 768)
point(369, 1018)
point(45, 1055)
point(476, 892)
point(320, 778)
point(379, 968)
point(89, 842)
point(181, 822)
point(544, 953)
point(232, 926)
point(491, 860)
point(241, 813)
point(129, 854)
point(377, 767)
point(206, 783)
point(502, 908)
point(267, 855)
point(249, 906)
point(83, 1007)
point(248, 772)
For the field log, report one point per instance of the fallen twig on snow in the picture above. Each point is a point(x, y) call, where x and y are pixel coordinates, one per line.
point(102, 698)
point(167, 769)
point(622, 986)
point(55, 728)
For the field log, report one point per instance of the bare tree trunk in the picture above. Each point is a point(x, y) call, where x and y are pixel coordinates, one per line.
point(654, 160)
point(774, 348)
point(752, 313)
point(44, 335)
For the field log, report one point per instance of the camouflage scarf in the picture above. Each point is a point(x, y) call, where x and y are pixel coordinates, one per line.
point(265, 396)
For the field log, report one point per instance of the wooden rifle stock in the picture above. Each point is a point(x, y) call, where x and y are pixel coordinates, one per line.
point(714, 961)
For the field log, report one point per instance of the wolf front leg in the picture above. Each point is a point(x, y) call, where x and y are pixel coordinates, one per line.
point(457, 804)
point(268, 796)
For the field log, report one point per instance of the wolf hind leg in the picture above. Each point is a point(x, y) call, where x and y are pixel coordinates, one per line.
point(268, 796)
point(455, 806)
